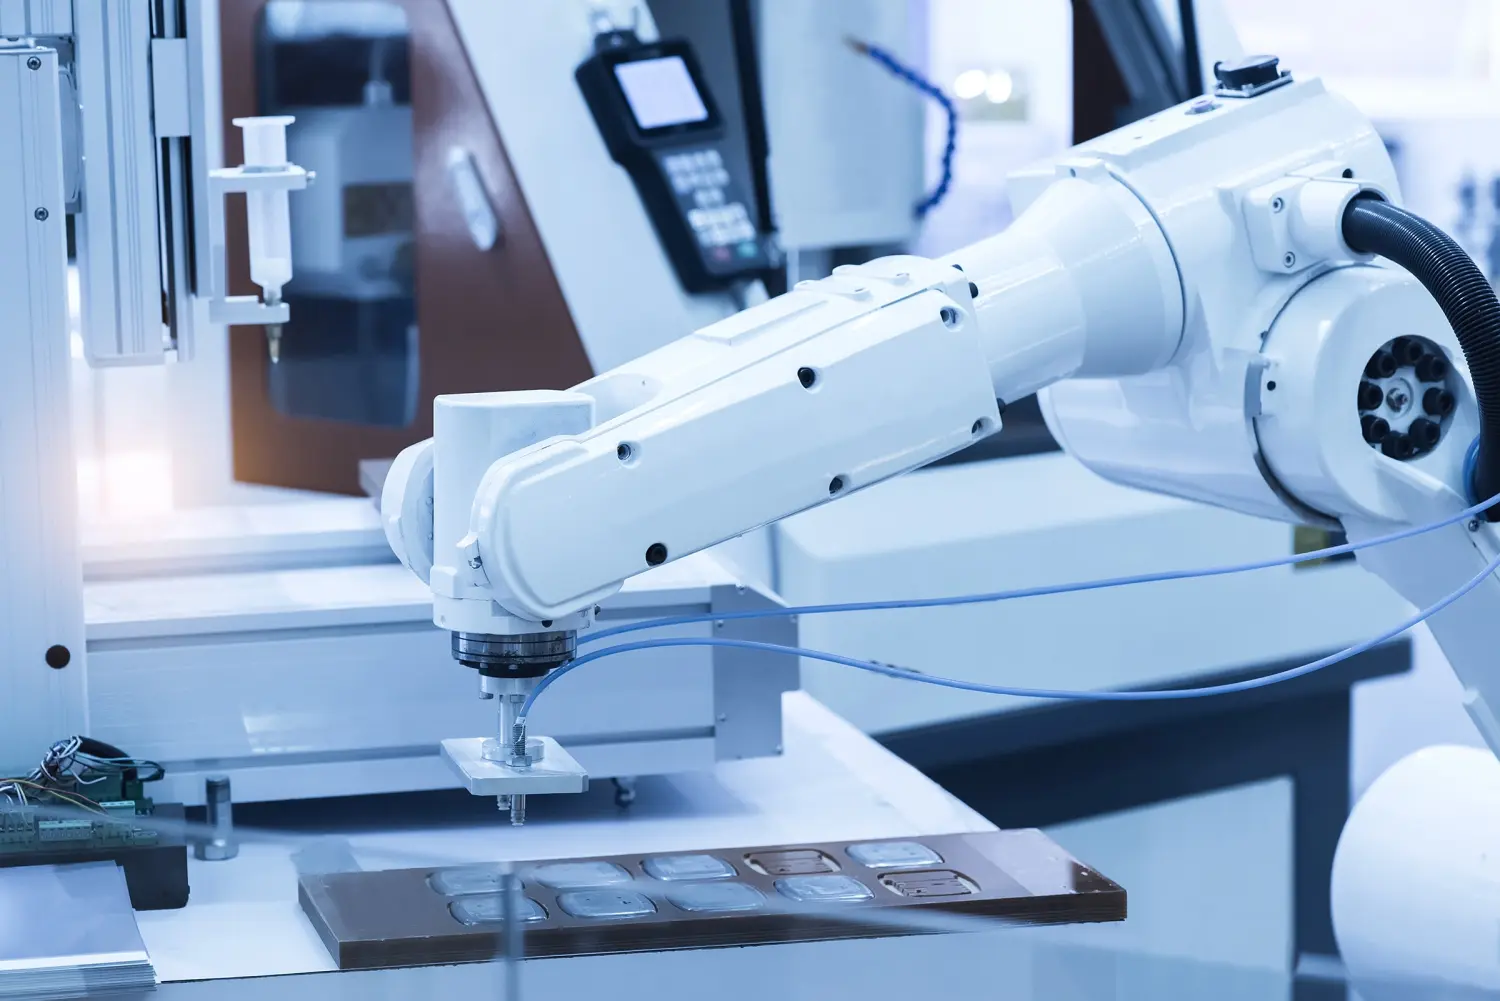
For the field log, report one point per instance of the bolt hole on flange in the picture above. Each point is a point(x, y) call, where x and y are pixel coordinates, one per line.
point(1406, 397)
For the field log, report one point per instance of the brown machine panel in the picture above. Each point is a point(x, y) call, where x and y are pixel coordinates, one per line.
point(486, 320)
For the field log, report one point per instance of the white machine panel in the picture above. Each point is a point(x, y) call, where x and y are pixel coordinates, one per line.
point(334, 681)
point(118, 251)
point(598, 237)
point(41, 613)
point(832, 113)
point(20, 18)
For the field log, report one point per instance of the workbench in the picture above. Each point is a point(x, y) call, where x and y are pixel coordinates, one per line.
point(243, 923)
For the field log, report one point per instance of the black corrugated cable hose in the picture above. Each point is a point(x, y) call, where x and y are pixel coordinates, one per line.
point(1374, 226)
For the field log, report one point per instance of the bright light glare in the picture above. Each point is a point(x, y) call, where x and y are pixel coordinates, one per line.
point(127, 484)
point(75, 312)
point(999, 87)
point(970, 84)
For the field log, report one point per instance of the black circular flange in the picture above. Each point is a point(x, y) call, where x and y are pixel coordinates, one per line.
point(519, 655)
point(1405, 397)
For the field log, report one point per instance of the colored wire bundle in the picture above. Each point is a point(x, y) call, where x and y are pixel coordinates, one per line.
point(72, 763)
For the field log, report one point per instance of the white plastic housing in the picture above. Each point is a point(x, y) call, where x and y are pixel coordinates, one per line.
point(1317, 215)
point(470, 432)
point(1308, 428)
point(1082, 284)
point(268, 214)
point(1185, 429)
point(406, 508)
point(717, 433)
point(1416, 879)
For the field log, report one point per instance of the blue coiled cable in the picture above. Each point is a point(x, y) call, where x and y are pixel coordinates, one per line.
point(906, 73)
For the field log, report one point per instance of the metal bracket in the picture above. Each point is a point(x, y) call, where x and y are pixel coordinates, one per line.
point(748, 684)
point(1268, 213)
point(1294, 221)
point(556, 772)
point(171, 88)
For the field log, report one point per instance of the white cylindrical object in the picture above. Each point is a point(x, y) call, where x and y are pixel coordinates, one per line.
point(267, 212)
point(1317, 221)
point(1416, 879)
point(1083, 284)
point(265, 140)
point(406, 504)
point(472, 430)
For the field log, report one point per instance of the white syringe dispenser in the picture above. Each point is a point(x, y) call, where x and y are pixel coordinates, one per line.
point(267, 211)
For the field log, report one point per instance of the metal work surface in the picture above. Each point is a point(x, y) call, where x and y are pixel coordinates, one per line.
point(40, 614)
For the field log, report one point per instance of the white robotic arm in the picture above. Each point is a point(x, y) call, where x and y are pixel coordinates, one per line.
point(837, 385)
point(546, 501)
point(1184, 286)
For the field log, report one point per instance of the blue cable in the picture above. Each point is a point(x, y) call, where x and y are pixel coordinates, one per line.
point(1046, 589)
point(907, 674)
point(906, 73)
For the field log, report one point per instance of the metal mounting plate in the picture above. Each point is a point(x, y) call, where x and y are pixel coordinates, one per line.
point(557, 772)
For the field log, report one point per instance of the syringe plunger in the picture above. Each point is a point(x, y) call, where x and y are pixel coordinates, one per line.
point(267, 212)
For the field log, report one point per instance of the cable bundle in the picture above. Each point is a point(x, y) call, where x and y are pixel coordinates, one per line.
point(70, 766)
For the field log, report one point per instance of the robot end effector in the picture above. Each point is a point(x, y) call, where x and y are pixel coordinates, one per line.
point(428, 496)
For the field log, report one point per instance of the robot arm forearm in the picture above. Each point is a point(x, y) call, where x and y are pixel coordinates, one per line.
point(835, 386)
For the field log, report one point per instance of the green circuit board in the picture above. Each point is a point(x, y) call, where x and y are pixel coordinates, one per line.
point(30, 829)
